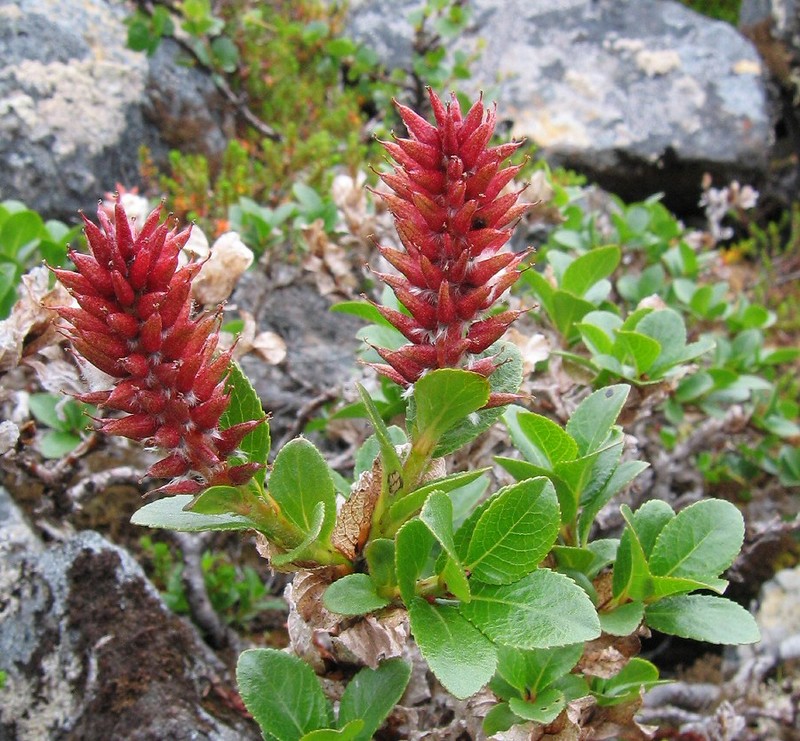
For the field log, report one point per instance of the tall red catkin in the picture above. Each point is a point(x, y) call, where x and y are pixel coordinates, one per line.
point(453, 222)
point(134, 322)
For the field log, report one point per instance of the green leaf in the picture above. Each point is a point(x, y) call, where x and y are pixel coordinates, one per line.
point(703, 617)
point(392, 468)
point(664, 586)
point(466, 497)
point(591, 422)
point(452, 572)
point(667, 328)
point(499, 718)
point(576, 475)
point(282, 693)
point(584, 271)
point(307, 197)
point(43, 408)
point(300, 479)
point(541, 610)
point(567, 310)
point(413, 545)
point(443, 398)
point(597, 338)
point(506, 379)
point(361, 309)
point(700, 541)
point(542, 288)
point(626, 685)
point(300, 552)
point(437, 514)
point(56, 444)
point(169, 514)
point(649, 520)
point(372, 694)
point(536, 669)
point(380, 562)
point(539, 439)
point(354, 594)
point(20, 231)
point(366, 454)
point(544, 708)
point(349, 732)
point(515, 532)
point(693, 387)
point(605, 552)
point(225, 54)
point(222, 500)
point(643, 350)
point(244, 406)
point(567, 493)
point(623, 474)
point(606, 462)
point(460, 656)
point(570, 558)
point(631, 576)
point(623, 620)
point(410, 503)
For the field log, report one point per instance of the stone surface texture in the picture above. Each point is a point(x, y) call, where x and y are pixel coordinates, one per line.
point(643, 95)
point(76, 104)
point(91, 651)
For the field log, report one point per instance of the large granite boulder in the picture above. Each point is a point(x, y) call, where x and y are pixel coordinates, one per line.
point(91, 652)
point(76, 104)
point(641, 95)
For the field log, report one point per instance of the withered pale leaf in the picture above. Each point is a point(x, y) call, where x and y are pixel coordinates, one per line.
point(534, 348)
point(375, 637)
point(270, 347)
point(230, 258)
point(9, 434)
point(605, 656)
point(30, 325)
point(354, 520)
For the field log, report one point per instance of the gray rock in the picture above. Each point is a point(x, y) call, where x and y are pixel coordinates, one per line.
point(92, 652)
point(641, 95)
point(321, 346)
point(76, 105)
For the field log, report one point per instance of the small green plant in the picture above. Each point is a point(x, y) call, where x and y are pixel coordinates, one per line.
point(236, 593)
point(665, 318)
point(436, 25)
point(25, 239)
point(647, 347)
point(166, 572)
point(68, 420)
point(287, 701)
point(495, 583)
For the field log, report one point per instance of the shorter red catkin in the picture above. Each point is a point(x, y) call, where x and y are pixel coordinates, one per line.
point(135, 324)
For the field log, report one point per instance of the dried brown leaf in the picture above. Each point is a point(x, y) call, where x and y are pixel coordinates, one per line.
point(354, 520)
point(229, 259)
point(605, 656)
point(374, 638)
point(534, 348)
point(30, 325)
point(334, 272)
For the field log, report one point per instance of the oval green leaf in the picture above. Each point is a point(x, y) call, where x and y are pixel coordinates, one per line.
point(541, 610)
point(515, 532)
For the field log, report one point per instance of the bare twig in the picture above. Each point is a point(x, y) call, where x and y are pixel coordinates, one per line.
point(96, 482)
point(218, 634)
point(239, 102)
point(304, 414)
